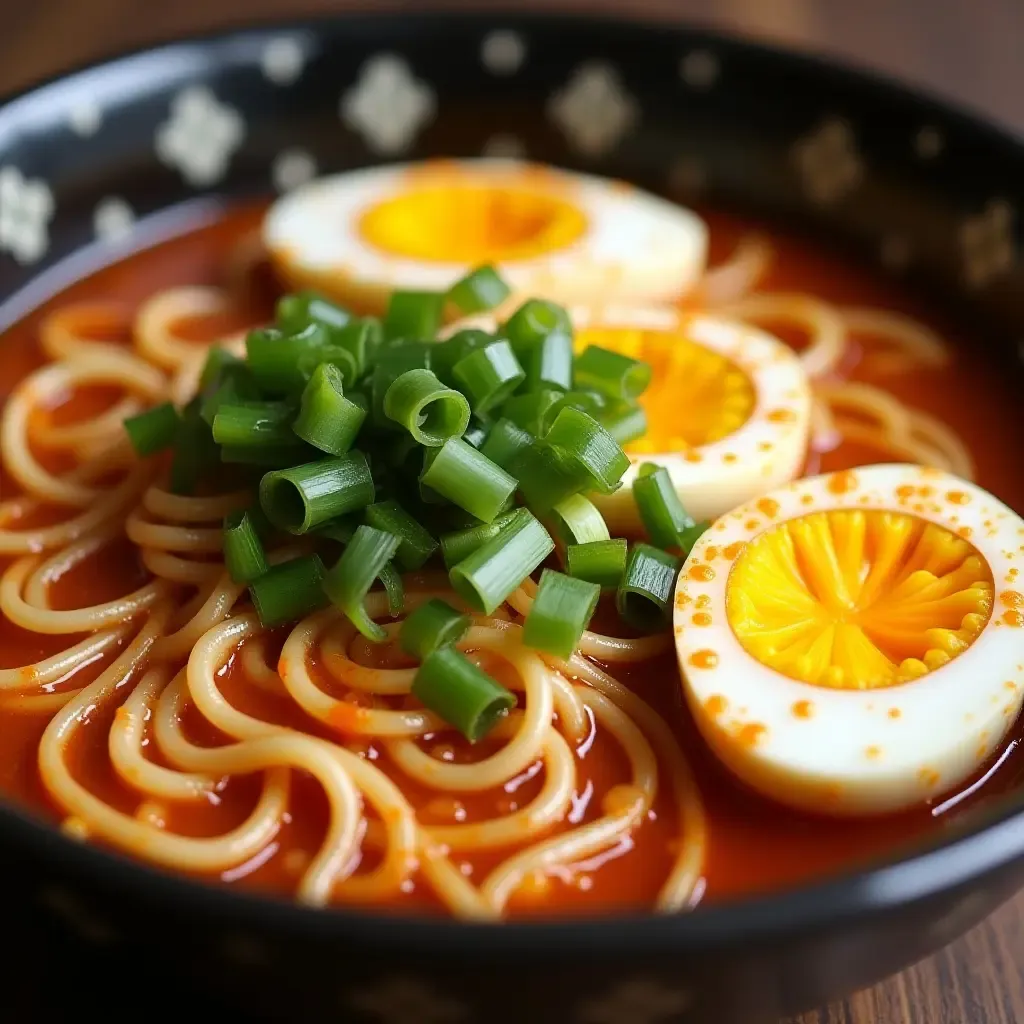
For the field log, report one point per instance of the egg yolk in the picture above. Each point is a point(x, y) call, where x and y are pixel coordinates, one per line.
point(472, 223)
point(858, 599)
point(696, 396)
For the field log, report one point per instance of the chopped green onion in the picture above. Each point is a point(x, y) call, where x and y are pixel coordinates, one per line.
point(342, 529)
point(235, 386)
point(591, 402)
point(533, 411)
point(217, 360)
point(396, 360)
point(611, 373)
point(691, 535)
point(269, 456)
point(458, 472)
point(476, 433)
point(274, 356)
point(243, 550)
point(504, 440)
point(584, 440)
point(451, 686)
point(327, 419)
point(289, 591)
point(415, 315)
point(534, 321)
point(479, 291)
point(644, 597)
point(415, 543)
point(434, 624)
point(445, 354)
point(488, 376)
point(623, 421)
point(195, 452)
point(577, 521)
point(560, 613)
point(254, 425)
point(391, 578)
point(348, 583)
point(298, 311)
point(460, 544)
point(548, 362)
point(485, 578)
point(334, 355)
point(300, 498)
point(431, 412)
point(361, 338)
point(546, 476)
point(598, 561)
point(661, 511)
point(153, 430)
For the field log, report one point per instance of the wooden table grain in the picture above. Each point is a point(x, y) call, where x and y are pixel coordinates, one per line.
point(965, 50)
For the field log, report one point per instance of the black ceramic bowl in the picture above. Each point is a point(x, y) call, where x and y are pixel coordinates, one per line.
point(104, 158)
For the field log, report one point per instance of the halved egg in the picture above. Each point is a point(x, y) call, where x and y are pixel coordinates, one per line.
point(551, 234)
point(728, 408)
point(853, 643)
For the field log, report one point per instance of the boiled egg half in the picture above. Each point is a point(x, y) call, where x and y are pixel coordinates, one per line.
point(551, 234)
point(853, 643)
point(728, 407)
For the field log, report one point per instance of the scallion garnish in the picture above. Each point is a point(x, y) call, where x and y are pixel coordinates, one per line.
point(415, 544)
point(625, 422)
point(254, 425)
point(434, 624)
point(583, 440)
point(504, 440)
point(243, 550)
point(289, 591)
point(431, 412)
point(598, 561)
point(300, 498)
point(327, 419)
point(459, 544)
point(451, 686)
point(489, 375)
point(611, 373)
point(154, 430)
point(466, 477)
point(561, 611)
point(485, 578)
point(661, 511)
point(480, 290)
point(577, 521)
point(348, 583)
point(644, 596)
point(414, 315)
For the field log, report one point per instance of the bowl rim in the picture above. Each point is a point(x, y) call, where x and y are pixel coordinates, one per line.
point(909, 875)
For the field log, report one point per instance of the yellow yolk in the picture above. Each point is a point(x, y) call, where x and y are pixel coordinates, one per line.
point(858, 599)
point(464, 223)
point(696, 396)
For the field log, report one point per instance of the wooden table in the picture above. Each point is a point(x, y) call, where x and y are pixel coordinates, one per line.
point(968, 50)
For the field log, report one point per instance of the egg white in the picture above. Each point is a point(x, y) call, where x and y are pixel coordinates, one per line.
point(635, 246)
point(854, 752)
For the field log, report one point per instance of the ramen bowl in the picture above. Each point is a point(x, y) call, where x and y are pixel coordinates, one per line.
point(120, 155)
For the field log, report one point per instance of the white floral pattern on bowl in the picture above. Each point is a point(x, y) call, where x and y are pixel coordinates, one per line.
point(594, 110)
point(113, 220)
point(200, 137)
point(388, 105)
point(26, 208)
point(828, 162)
